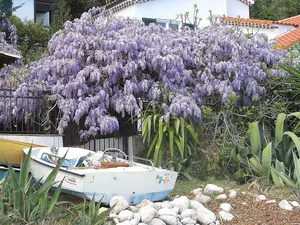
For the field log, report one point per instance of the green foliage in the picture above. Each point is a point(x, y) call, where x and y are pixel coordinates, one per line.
point(62, 14)
point(33, 38)
point(77, 7)
point(275, 9)
point(177, 135)
point(91, 216)
point(266, 156)
point(6, 7)
point(23, 203)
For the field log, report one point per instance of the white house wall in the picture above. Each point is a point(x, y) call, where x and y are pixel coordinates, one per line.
point(236, 8)
point(169, 9)
point(271, 33)
point(26, 12)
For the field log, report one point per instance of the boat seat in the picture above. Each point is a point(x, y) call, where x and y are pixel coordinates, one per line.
point(76, 162)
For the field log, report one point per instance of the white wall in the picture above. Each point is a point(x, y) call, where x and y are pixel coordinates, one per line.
point(26, 12)
point(236, 8)
point(271, 33)
point(169, 9)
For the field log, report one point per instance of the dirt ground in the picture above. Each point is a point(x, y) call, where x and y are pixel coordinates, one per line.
point(246, 210)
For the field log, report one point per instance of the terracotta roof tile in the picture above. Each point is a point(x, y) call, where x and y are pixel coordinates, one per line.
point(287, 40)
point(295, 20)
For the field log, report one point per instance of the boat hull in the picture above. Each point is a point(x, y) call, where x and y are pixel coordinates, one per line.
point(134, 183)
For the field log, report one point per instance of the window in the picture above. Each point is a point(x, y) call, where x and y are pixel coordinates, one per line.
point(189, 25)
point(161, 24)
point(147, 21)
point(173, 26)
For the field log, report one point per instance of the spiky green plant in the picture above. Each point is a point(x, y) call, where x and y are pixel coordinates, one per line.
point(23, 203)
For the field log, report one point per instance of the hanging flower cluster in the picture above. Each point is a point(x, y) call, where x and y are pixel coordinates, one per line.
point(8, 37)
point(100, 64)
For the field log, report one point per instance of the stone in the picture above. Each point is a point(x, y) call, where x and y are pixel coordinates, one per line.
point(271, 201)
point(189, 213)
point(133, 209)
point(125, 215)
point(202, 198)
point(205, 216)
point(146, 202)
point(170, 220)
point(124, 223)
point(142, 224)
point(213, 189)
point(135, 221)
point(182, 203)
point(261, 198)
point(156, 221)
point(120, 204)
point(226, 207)
point(188, 220)
point(176, 209)
point(195, 204)
point(284, 204)
point(221, 196)
point(168, 212)
point(225, 216)
point(196, 191)
point(232, 194)
point(147, 213)
point(101, 210)
point(161, 205)
point(294, 203)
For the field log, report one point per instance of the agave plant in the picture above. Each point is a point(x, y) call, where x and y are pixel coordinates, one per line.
point(172, 133)
point(92, 215)
point(21, 201)
point(267, 156)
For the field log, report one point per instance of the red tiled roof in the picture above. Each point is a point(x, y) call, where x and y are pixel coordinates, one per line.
point(289, 39)
point(248, 22)
point(295, 20)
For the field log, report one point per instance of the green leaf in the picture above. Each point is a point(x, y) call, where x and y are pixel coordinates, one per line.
point(171, 142)
point(255, 165)
point(279, 128)
point(177, 124)
point(92, 211)
point(24, 171)
point(17, 194)
point(297, 167)
point(149, 118)
point(255, 138)
point(193, 133)
point(159, 141)
point(187, 176)
point(144, 130)
point(152, 145)
point(294, 138)
point(266, 162)
point(54, 198)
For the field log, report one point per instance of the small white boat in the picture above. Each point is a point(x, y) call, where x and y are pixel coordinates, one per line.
point(118, 174)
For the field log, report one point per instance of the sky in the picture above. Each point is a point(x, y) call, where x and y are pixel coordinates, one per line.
point(26, 12)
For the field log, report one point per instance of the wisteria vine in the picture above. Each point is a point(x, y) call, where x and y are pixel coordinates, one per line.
point(100, 65)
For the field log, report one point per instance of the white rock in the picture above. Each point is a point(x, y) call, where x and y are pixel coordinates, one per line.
point(195, 204)
point(202, 198)
point(146, 202)
point(294, 203)
point(119, 202)
point(261, 198)
point(101, 210)
point(176, 210)
point(213, 189)
point(217, 222)
point(191, 213)
point(125, 215)
point(196, 191)
point(225, 216)
point(244, 203)
point(156, 221)
point(182, 203)
point(284, 204)
point(133, 209)
point(134, 221)
point(205, 216)
point(232, 194)
point(221, 196)
point(271, 201)
point(168, 212)
point(115, 220)
point(188, 221)
point(170, 220)
point(226, 207)
point(147, 213)
point(124, 223)
point(163, 205)
point(142, 224)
